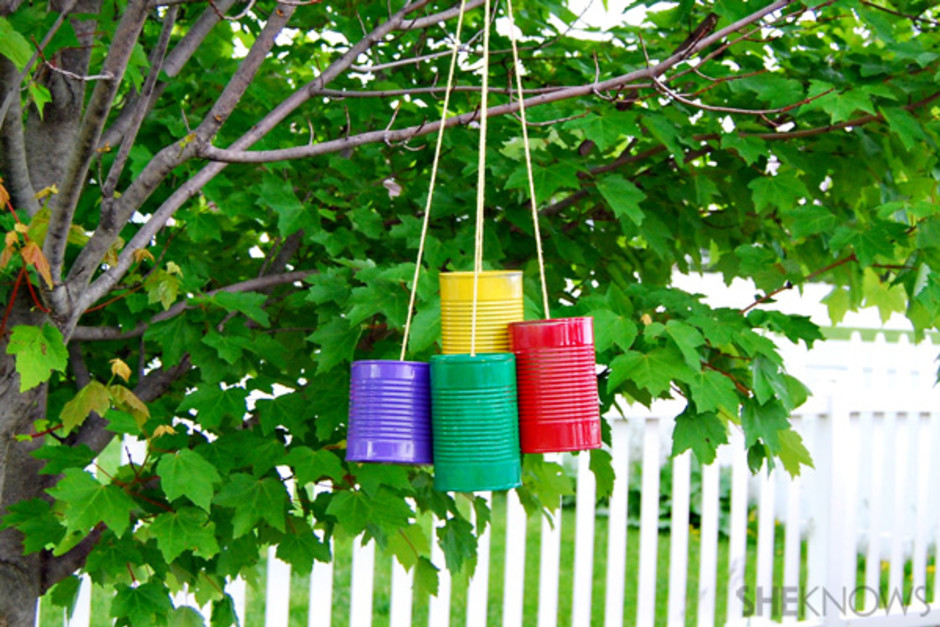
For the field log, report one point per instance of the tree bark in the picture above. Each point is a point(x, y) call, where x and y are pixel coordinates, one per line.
point(20, 576)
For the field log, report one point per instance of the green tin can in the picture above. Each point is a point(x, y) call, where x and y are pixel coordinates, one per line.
point(475, 419)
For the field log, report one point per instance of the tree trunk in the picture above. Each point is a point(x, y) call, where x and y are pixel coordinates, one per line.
point(20, 576)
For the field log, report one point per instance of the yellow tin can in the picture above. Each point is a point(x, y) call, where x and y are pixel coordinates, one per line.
point(499, 302)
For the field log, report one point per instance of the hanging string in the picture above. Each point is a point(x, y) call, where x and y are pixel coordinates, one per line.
point(481, 178)
point(517, 68)
point(434, 168)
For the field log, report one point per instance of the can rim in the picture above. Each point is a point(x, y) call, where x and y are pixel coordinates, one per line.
point(484, 273)
point(551, 321)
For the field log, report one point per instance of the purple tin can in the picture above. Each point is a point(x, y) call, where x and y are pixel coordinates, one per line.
point(389, 412)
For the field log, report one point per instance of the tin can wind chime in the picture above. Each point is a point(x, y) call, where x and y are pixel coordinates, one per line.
point(473, 385)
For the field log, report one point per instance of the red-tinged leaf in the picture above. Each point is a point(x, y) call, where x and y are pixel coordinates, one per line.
point(125, 400)
point(33, 256)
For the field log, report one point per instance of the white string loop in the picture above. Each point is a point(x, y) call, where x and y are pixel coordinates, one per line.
point(434, 169)
point(517, 69)
point(481, 178)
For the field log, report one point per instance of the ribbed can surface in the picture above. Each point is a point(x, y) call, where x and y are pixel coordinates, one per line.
point(556, 375)
point(499, 302)
point(476, 422)
point(390, 412)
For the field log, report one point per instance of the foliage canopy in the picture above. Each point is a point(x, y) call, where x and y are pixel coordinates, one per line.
point(207, 219)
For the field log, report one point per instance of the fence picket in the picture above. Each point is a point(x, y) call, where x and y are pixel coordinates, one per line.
point(763, 585)
point(935, 532)
point(477, 588)
point(875, 508)
point(737, 543)
point(649, 525)
point(708, 546)
point(584, 543)
point(514, 581)
point(549, 562)
point(362, 583)
point(401, 593)
point(922, 477)
point(439, 606)
point(791, 544)
point(617, 526)
point(321, 594)
point(679, 539)
point(277, 596)
point(898, 451)
point(81, 617)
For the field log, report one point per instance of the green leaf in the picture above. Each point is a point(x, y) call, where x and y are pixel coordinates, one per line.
point(175, 336)
point(459, 544)
point(65, 594)
point(751, 149)
point(547, 179)
point(793, 453)
point(602, 467)
point(145, 605)
point(14, 46)
point(300, 547)
point(764, 422)
point(249, 303)
point(37, 522)
point(88, 502)
point(311, 466)
point(406, 545)
point(544, 484)
point(713, 391)
point(889, 299)
point(162, 287)
point(623, 197)
point(38, 352)
point(186, 617)
point(426, 578)
point(654, 370)
point(703, 433)
point(337, 342)
point(188, 474)
point(782, 191)
point(809, 220)
point(228, 347)
point(838, 302)
point(842, 107)
point(355, 511)
point(606, 130)
point(289, 411)
point(93, 397)
point(254, 500)
point(373, 476)
point(611, 328)
point(688, 339)
point(278, 194)
point(60, 457)
point(213, 404)
point(904, 125)
point(187, 529)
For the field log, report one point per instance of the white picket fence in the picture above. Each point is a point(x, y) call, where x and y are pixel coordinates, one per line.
point(874, 433)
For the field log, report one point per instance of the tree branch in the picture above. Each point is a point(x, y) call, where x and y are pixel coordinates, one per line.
point(116, 212)
point(238, 155)
point(96, 113)
point(104, 283)
point(258, 284)
point(172, 65)
point(142, 106)
point(14, 86)
point(13, 145)
point(437, 18)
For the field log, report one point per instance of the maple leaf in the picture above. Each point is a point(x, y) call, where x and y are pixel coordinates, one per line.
point(33, 256)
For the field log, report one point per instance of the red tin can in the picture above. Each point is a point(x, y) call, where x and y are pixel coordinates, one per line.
point(557, 385)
